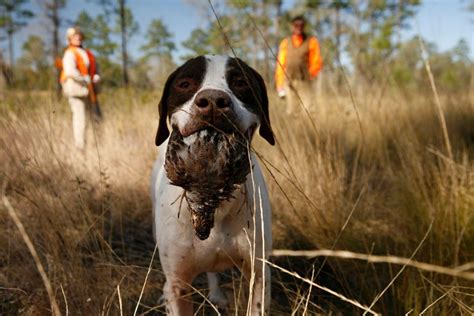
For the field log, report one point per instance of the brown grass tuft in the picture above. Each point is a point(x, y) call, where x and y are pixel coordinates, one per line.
point(88, 214)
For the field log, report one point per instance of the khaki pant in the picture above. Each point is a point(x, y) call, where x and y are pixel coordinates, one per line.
point(299, 93)
point(78, 108)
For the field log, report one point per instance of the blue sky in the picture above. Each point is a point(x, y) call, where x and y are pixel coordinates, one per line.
point(443, 22)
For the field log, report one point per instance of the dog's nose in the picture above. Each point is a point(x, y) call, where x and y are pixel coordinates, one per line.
point(211, 100)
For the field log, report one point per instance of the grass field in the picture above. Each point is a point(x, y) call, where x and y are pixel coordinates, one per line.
point(373, 175)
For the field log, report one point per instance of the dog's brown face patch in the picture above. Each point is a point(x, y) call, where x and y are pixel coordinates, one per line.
point(243, 84)
point(186, 83)
point(249, 87)
point(179, 88)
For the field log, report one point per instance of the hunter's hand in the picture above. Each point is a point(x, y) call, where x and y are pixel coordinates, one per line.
point(87, 79)
point(96, 78)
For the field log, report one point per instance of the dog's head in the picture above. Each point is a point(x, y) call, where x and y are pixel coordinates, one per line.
point(217, 91)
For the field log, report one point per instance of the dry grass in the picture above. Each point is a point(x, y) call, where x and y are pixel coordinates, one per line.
point(376, 191)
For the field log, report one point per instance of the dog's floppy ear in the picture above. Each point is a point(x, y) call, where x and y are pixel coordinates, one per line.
point(265, 128)
point(163, 131)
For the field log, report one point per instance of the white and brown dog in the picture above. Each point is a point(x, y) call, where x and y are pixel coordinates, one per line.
point(229, 93)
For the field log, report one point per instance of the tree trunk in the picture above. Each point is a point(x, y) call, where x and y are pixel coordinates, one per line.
point(255, 35)
point(337, 35)
point(5, 71)
point(123, 30)
point(266, 46)
point(399, 22)
point(56, 23)
point(356, 48)
point(471, 90)
point(277, 25)
point(12, 58)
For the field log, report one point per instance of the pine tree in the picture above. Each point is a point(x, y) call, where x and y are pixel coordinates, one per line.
point(13, 16)
point(126, 27)
point(158, 40)
point(33, 70)
point(374, 42)
point(85, 22)
point(52, 10)
point(197, 44)
point(97, 34)
point(103, 45)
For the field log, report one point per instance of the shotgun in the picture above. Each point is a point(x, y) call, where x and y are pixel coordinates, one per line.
point(94, 103)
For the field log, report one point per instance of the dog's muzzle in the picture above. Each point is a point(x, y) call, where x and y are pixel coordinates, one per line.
point(211, 108)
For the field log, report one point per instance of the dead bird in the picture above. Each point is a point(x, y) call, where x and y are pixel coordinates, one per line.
point(209, 165)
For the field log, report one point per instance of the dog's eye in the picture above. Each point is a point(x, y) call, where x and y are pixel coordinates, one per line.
point(240, 83)
point(184, 84)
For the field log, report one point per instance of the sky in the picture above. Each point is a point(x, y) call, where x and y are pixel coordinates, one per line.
point(443, 22)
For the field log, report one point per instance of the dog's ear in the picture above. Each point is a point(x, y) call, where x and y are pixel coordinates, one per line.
point(163, 131)
point(265, 128)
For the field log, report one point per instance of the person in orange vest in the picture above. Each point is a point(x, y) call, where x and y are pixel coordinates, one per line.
point(79, 77)
point(299, 61)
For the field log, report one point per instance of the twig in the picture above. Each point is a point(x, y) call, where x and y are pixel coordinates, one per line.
point(65, 300)
point(26, 239)
point(13, 289)
point(146, 278)
point(435, 301)
point(403, 267)
point(342, 229)
point(252, 245)
point(214, 307)
point(119, 299)
point(354, 104)
point(459, 271)
point(305, 311)
point(323, 288)
point(262, 230)
point(444, 128)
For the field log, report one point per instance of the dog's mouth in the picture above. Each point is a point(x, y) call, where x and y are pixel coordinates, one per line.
point(209, 165)
point(222, 122)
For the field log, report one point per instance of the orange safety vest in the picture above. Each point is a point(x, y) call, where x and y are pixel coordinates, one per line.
point(81, 66)
point(315, 61)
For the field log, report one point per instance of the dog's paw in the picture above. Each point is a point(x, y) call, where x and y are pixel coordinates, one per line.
point(162, 300)
point(218, 298)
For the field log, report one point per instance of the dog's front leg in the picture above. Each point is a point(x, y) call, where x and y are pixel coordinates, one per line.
point(178, 301)
point(261, 291)
point(176, 290)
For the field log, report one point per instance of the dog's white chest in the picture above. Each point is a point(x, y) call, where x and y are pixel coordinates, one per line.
point(227, 243)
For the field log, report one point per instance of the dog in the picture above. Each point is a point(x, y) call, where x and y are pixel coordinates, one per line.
point(231, 94)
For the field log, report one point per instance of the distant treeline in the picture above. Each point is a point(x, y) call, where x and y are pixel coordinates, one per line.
point(364, 36)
